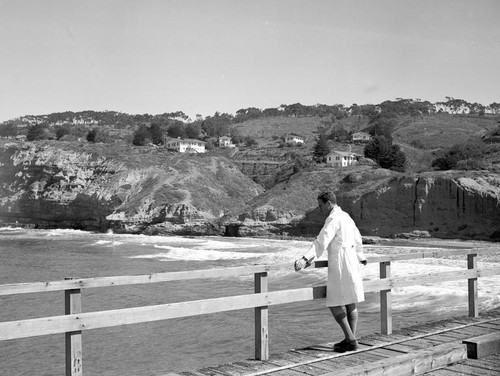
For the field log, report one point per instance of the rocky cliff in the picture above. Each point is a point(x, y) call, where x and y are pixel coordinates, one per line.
point(450, 204)
point(126, 189)
point(145, 190)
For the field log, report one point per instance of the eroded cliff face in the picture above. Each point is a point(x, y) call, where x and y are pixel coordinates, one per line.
point(50, 186)
point(450, 204)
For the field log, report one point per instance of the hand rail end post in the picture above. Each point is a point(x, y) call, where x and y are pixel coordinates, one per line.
point(261, 320)
point(73, 342)
point(385, 301)
point(472, 284)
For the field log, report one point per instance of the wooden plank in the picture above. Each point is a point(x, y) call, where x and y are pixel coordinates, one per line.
point(484, 363)
point(386, 353)
point(445, 372)
point(31, 287)
point(481, 346)
point(289, 358)
point(472, 370)
point(310, 369)
point(255, 365)
point(226, 369)
point(117, 317)
point(402, 348)
point(409, 364)
point(428, 278)
point(440, 338)
point(376, 340)
point(422, 342)
point(287, 372)
point(438, 252)
point(210, 371)
point(471, 331)
point(313, 353)
point(368, 355)
point(489, 325)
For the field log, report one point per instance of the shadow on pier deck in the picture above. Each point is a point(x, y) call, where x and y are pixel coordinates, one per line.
point(439, 348)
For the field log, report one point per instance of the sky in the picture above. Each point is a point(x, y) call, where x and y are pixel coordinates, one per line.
point(203, 56)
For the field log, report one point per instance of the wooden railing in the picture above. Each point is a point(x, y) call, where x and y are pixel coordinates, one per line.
point(74, 322)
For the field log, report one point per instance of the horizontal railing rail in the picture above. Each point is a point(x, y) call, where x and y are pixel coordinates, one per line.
point(74, 321)
point(79, 283)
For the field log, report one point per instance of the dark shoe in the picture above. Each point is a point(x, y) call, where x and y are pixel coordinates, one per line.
point(340, 344)
point(347, 346)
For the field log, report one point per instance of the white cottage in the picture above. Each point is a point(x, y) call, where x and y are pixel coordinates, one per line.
point(293, 138)
point(341, 159)
point(361, 137)
point(186, 145)
point(225, 142)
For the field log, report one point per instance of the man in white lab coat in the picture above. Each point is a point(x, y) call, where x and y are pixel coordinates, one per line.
point(342, 240)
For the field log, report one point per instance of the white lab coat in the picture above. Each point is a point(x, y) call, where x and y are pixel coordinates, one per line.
point(341, 238)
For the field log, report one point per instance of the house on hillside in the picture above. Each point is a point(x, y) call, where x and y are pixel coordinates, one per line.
point(361, 137)
point(293, 138)
point(341, 158)
point(185, 145)
point(225, 142)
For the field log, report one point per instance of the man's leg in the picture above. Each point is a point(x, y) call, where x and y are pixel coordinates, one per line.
point(352, 317)
point(341, 317)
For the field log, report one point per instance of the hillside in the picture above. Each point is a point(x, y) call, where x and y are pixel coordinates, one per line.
point(151, 191)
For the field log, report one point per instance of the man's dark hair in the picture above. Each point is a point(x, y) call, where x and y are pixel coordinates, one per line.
point(328, 196)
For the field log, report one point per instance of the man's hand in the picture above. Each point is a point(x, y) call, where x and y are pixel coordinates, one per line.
point(301, 263)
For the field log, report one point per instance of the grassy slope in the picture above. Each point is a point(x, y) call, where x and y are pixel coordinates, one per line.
point(435, 132)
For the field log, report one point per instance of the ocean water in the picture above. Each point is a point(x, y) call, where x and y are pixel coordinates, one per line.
point(190, 343)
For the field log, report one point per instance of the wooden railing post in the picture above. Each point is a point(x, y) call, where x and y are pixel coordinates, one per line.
point(261, 320)
point(73, 304)
point(473, 294)
point(385, 301)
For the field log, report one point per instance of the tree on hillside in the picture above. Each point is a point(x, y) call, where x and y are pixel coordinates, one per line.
point(157, 132)
point(8, 129)
point(385, 153)
point(217, 125)
point(271, 112)
point(38, 132)
point(97, 135)
point(247, 114)
point(142, 136)
point(62, 130)
point(473, 149)
point(176, 130)
point(321, 147)
point(495, 107)
point(193, 130)
point(382, 124)
point(249, 141)
point(340, 134)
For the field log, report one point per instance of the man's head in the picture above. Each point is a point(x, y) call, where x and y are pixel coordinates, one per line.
point(326, 202)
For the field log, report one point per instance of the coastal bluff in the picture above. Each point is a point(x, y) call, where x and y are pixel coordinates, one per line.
point(151, 191)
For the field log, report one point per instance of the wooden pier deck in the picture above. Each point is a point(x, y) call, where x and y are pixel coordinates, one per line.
point(435, 349)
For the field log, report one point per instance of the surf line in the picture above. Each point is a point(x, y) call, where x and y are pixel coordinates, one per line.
point(338, 355)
